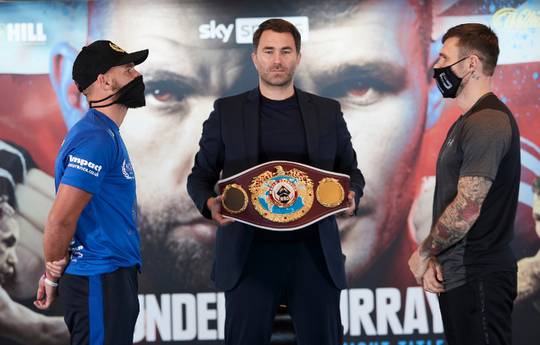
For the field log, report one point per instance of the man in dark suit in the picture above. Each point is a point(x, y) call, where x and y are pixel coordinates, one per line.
point(257, 268)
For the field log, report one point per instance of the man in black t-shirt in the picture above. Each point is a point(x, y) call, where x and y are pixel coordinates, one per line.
point(467, 258)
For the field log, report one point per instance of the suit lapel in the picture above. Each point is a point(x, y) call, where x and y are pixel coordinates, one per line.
point(251, 128)
point(310, 116)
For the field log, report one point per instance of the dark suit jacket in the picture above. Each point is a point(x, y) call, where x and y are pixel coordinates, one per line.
point(230, 144)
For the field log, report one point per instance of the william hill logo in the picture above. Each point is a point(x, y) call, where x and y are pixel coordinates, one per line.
point(22, 32)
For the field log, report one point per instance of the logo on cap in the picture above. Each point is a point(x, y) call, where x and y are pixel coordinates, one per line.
point(117, 48)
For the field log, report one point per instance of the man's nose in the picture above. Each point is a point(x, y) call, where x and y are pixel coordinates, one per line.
point(135, 73)
point(276, 59)
point(12, 258)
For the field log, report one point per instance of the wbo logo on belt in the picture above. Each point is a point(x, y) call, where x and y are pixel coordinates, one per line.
point(283, 195)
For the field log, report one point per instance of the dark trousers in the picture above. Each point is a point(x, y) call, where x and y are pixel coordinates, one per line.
point(480, 312)
point(101, 309)
point(284, 272)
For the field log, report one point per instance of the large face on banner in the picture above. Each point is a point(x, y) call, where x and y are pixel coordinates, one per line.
point(183, 75)
point(9, 233)
point(375, 65)
point(379, 79)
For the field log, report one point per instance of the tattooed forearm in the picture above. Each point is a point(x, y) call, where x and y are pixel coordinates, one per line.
point(459, 216)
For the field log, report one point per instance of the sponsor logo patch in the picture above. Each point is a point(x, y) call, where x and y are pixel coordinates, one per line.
point(84, 165)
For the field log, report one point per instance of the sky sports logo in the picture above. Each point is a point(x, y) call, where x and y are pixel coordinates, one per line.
point(245, 27)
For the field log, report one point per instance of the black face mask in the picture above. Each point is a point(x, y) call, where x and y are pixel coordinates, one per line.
point(131, 95)
point(447, 81)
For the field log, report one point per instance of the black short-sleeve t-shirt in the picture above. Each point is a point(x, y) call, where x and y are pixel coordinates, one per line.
point(482, 142)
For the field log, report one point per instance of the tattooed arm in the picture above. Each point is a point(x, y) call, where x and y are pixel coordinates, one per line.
point(459, 216)
point(453, 224)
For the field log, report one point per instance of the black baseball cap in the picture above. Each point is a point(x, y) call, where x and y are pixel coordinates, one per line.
point(98, 57)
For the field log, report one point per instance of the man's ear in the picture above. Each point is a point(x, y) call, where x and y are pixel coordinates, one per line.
point(254, 60)
point(71, 101)
point(476, 63)
point(105, 82)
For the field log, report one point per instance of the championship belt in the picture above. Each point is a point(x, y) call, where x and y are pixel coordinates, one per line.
point(283, 195)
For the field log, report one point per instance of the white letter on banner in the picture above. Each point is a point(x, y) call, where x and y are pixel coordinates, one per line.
point(388, 306)
point(156, 318)
point(138, 334)
point(361, 305)
point(184, 325)
point(204, 314)
point(415, 312)
point(40, 33)
point(221, 315)
point(13, 32)
point(344, 310)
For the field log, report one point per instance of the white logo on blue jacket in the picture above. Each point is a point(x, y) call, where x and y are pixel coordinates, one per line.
point(127, 170)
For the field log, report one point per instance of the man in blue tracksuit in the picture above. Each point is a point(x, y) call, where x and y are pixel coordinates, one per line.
point(94, 215)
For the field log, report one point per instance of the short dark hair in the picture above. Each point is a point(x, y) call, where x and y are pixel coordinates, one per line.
point(475, 38)
point(277, 25)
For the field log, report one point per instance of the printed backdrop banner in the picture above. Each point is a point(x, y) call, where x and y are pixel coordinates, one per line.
point(374, 57)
